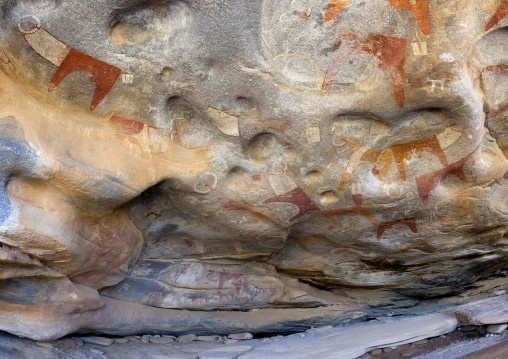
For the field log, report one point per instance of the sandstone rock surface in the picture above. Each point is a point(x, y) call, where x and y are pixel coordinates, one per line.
point(487, 311)
point(216, 167)
point(333, 343)
point(354, 341)
point(496, 328)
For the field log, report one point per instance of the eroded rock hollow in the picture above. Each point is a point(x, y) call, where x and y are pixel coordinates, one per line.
point(212, 166)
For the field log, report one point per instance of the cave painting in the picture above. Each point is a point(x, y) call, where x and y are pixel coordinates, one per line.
point(281, 183)
point(500, 14)
point(104, 75)
point(430, 181)
point(303, 15)
point(241, 285)
point(497, 68)
point(334, 8)
point(134, 127)
point(419, 8)
point(127, 125)
point(363, 154)
point(69, 60)
point(213, 180)
point(400, 153)
point(391, 51)
point(356, 192)
point(405, 151)
point(235, 125)
point(362, 210)
point(300, 199)
point(383, 226)
point(255, 214)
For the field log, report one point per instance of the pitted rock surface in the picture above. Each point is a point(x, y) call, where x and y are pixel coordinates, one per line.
point(217, 167)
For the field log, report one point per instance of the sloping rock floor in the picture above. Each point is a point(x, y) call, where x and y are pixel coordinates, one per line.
point(451, 333)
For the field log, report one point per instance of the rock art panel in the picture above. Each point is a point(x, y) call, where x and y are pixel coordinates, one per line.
point(334, 8)
point(409, 222)
point(499, 15)
point(418, 8)
point(166, 285)
point(428, 182)
point(391, 51)
point(261, 166)
point(103, 75)
point(68, 60)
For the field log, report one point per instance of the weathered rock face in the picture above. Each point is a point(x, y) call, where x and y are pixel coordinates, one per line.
point(313, 159)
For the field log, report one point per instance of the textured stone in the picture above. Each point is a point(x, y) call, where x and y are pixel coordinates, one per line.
point(323, 329)
point(225, 352)
point(120, 340)
point(209, 338)
point(96, 351)
point(186, 338)
point(218, 355)
point(64, 343)
point(97, 340)
point(233, 349)
point(172, 356)
point(162, 340)
point(423, 341)
point(78, 341)
point(496, 328)
point(321, 161)
point(486, 311)
point(376, 352)
point(230, 341)
point(240, 336)
point(353, 341)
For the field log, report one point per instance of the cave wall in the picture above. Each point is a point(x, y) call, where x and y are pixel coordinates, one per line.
point(211, 166)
